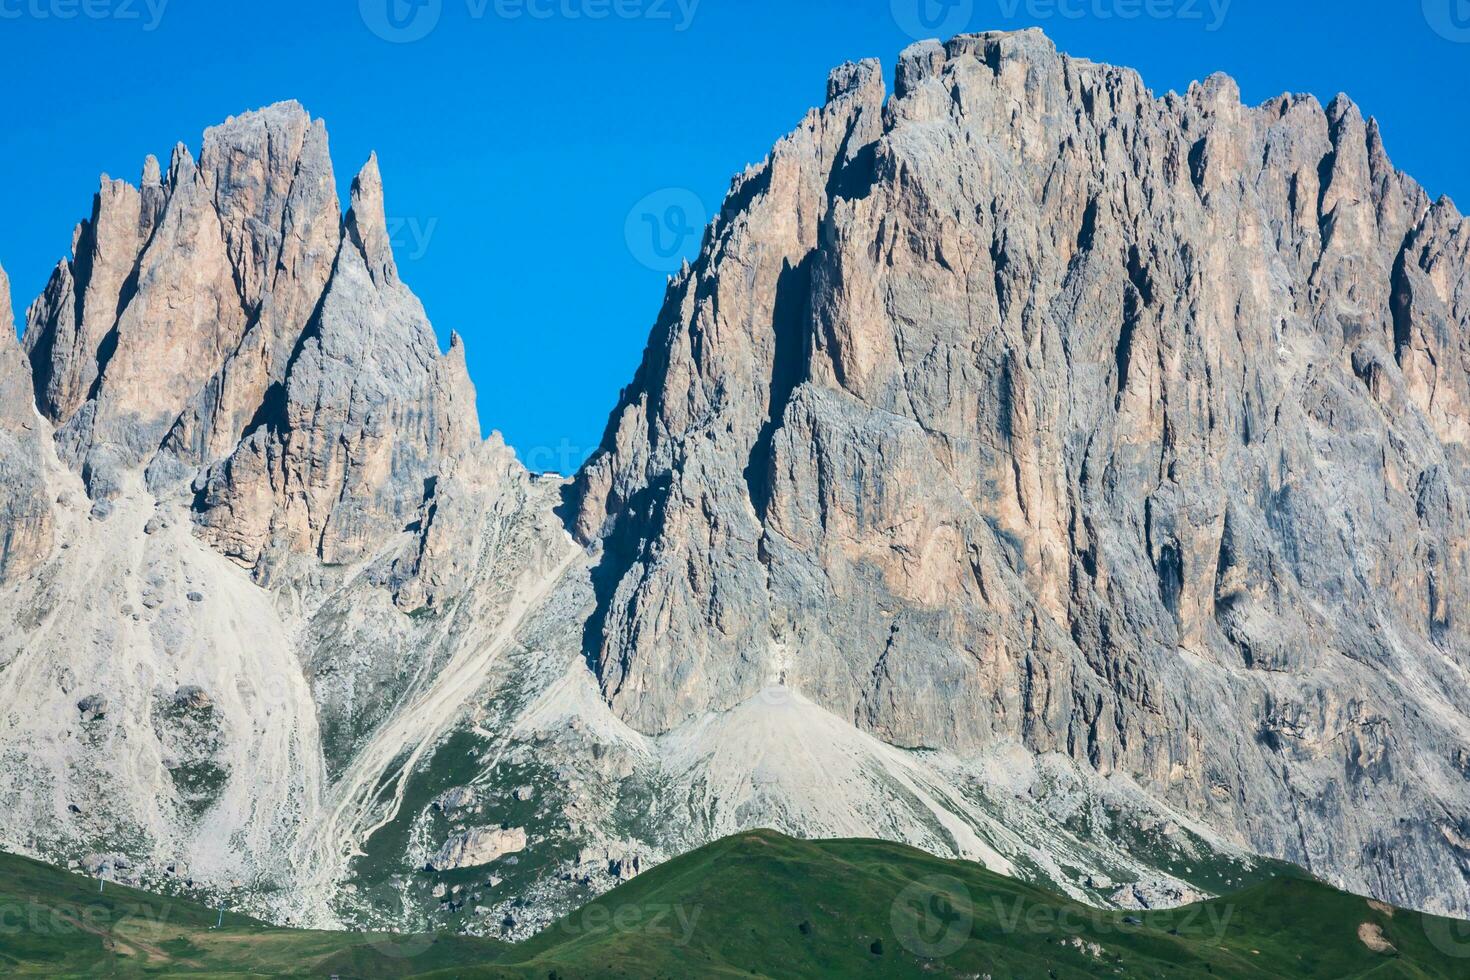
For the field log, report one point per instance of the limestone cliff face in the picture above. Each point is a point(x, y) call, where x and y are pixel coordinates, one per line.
point(247, 520)
point(1026, 406)
point(370, 416)
point(26, 523)
point(1110, 450)
point(184, 298)
point(226, 326)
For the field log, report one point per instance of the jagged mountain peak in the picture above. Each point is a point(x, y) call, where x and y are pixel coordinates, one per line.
point(1029, 466)
point(209, 316)
point(367, 223)
point(15, 383)
point(7, 312)
point(999, 379)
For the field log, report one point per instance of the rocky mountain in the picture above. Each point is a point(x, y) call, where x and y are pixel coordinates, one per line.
point(1030, 468)
point(25, 510)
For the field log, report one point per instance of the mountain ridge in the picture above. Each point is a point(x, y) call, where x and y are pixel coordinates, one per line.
point(1030, 468)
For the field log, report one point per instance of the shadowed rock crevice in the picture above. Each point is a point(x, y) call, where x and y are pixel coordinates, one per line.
point(623, 551)
point(791, 330)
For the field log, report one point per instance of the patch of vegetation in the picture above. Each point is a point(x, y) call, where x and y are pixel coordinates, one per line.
point(57, 924)
point(392, 870)
point(764, 905)
point(1175, 850)
point(189, 729)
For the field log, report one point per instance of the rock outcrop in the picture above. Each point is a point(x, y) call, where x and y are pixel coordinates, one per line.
point(1026, 406)
point(371, 416)
point(26, 522)
point(1029, 468)
point(175, 320)
point(277, 521)
point(226, 325)
point(478, 847)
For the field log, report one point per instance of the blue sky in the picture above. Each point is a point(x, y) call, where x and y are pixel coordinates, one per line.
point(531, 149)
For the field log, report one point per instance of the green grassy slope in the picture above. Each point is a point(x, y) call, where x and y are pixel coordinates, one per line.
point(57, 924)
point(761, 905)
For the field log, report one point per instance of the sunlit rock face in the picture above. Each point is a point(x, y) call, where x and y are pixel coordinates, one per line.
point(26, 524)
point(1027, 406)
point(1029, 468)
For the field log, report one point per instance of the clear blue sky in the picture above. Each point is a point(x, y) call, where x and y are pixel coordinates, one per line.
point(517, 136)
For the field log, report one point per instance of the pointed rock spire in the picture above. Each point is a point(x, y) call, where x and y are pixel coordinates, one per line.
point(16, 396)
point(7, 314)
point(151, 175)
point(15, 382)
point(368, 225)
point(25, 511)
point(180, 166)
point(153, 196)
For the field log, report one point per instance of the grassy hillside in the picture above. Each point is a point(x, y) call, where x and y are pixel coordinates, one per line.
point(759, 904)
point(767, 905)
point(56, 924)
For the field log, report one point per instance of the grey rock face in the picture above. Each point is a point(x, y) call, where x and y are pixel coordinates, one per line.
point(230, 315)
point(185, 298)
point(478, 847)
point(235, 375)
point(1027, 406)
point(1027, 464)
point(26, 521)
point(372, 415)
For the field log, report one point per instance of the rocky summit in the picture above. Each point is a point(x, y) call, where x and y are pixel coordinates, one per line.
point(1030, 468)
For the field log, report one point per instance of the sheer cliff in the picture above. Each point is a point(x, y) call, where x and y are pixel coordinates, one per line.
point(1027, 407)
point(1029, 467)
